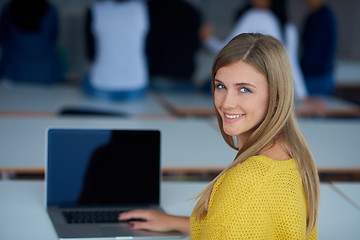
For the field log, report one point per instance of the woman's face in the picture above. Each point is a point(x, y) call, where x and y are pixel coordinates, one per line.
point(241, 97)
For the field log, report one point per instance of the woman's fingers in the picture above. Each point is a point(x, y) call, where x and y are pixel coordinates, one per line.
point(141, 225)
point(134, 214)
point(152, 220)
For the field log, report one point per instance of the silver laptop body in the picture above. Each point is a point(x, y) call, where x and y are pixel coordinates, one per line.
point(93, 174)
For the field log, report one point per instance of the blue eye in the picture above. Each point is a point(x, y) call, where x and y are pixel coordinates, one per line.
point(245, 90)
point(219, 86)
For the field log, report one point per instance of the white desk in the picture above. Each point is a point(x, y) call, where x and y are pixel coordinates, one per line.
point(49, 100)
point(186, 143)
point(23, 214)
point(347, 73)
point(333, 143)
point(337, 218)
point(350, 191)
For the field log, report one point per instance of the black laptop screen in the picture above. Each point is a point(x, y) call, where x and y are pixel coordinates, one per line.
point(103, 167)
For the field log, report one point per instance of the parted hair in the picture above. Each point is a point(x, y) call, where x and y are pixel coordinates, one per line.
point(268, 55)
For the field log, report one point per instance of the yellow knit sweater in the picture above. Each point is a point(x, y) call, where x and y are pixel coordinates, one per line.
point(260, 198)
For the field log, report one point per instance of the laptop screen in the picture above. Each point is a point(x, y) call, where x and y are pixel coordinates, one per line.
point(100, 167)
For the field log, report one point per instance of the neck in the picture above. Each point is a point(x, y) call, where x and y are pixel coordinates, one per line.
point(242, 138)
point(276, 151)
point(315, 5)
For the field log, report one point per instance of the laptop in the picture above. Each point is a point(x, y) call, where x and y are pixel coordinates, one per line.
point(94, 174)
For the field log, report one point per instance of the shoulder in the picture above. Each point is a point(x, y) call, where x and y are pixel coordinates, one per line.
point(261, 172)
point(261, 194)
point(322, 14)
point(242, 177)
point(263, 163)
point(276, 151)
point(261, 21)
point(259, 14)
point(253, 172)
point(258, 18)
point(254, 168)
point(278, 183)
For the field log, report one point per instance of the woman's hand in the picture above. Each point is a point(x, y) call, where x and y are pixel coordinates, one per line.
point(156, 221)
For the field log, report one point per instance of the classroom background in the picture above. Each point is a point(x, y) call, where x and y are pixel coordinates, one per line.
point(71, 39)
point(27, 111)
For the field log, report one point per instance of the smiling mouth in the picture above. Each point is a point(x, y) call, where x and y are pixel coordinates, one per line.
point(233, 116)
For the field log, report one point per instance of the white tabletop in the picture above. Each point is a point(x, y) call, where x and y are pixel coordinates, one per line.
point(23, 214)
point(52, 99)
point(350, 191)
point(337, 218)
point(347, 73)
point(333, 143)
point(184, 142)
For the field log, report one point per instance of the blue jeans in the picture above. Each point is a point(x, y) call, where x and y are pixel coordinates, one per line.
point(320, 85)
point(109, 95)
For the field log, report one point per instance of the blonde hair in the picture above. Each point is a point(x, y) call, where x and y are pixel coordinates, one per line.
point(269, 57)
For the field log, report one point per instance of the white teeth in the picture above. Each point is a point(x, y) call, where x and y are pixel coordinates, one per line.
point(233, 116)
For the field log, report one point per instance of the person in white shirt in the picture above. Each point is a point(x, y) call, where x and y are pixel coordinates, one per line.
point(266, 17)
point(117, 32)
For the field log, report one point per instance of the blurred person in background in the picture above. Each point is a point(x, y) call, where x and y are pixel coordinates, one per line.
point(116, 33)
point(319, 42)
point(266, 17)
point(173, 43)
point(28, 37)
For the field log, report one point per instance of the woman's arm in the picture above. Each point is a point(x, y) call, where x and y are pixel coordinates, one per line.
point(156, 221)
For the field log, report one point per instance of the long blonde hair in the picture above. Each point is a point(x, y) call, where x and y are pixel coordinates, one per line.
point(269, 57)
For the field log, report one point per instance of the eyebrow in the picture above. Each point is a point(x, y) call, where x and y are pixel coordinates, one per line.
point(236, 84)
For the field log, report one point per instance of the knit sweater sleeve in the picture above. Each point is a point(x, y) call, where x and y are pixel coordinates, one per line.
point(270, 204)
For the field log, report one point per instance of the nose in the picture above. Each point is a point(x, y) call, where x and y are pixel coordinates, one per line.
point(230, 100)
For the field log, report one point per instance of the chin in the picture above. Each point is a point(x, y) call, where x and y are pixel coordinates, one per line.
point(230, 132)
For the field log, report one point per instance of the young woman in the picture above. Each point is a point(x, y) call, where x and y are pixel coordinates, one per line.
point(271, 189)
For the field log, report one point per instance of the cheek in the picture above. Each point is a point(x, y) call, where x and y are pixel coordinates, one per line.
point(217, 100)
point(263, 107)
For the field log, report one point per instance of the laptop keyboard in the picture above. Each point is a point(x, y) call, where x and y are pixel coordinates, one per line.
point(108, 216)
